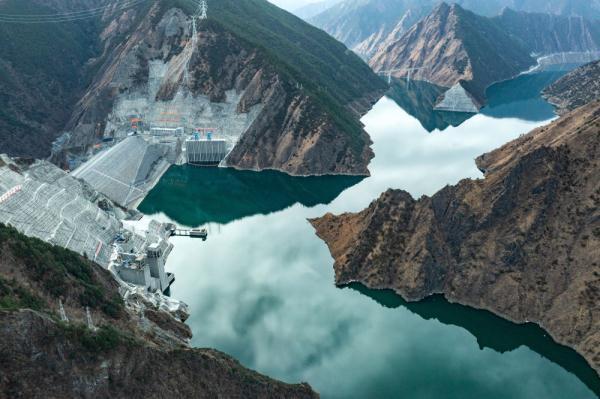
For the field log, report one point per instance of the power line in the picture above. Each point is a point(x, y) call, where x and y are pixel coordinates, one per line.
point(67, 13)
point(79, 15)
point(67, 16)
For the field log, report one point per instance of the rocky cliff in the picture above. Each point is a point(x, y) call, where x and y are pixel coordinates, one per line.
point(454, 48)
point(289, 94)
point(363, 24)
point(551, 33)
point(130, 350)
point(575, 89)
point(524, 242)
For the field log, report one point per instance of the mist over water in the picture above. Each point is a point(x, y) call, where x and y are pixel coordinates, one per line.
point(262, 287)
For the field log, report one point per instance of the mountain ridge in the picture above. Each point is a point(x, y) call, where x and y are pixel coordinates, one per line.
point(578, 87)
point(345, 21)
point(454, 48)
point(522, 242)
point(293, 60)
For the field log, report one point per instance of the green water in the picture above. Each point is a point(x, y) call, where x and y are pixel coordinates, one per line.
point(262, 287)
point(252, 193)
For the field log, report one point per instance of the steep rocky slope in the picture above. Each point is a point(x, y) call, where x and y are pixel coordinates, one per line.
point(575, 89)
point(453, 47)
point(134, 352)
point(359, 23)
point(369, 46)
point(310, 10)
point(524, 242)
point(35, 102)
point(550, 33)
point(297, 93)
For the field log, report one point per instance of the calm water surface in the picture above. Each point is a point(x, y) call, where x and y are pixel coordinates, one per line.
point(262, 287)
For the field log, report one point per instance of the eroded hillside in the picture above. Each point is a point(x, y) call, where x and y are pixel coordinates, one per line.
point(132, 349)
point(523, 242)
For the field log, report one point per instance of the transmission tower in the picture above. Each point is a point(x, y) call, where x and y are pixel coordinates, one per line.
point(61, 311)
point(88, 317)
point(203, 10)
point(201, 14)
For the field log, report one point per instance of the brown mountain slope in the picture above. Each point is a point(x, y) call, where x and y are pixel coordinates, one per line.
point(551, 33)
point(575, 89)
point(452, 46)
point(89, 78)
point(524, 242)
point(137, 350)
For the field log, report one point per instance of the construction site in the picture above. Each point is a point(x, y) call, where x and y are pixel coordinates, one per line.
point(90, 209)
point(144, 133)
point(42, 201)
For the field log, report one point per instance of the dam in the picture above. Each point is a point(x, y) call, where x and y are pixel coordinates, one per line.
point(43, 201)
point(265, 284)
point(129, 168)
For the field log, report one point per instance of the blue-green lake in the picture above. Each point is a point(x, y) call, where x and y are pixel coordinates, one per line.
point(262, 287)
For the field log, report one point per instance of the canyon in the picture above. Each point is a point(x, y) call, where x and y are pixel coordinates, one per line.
point(466, 53)
point(523, 242)
point(271, 88)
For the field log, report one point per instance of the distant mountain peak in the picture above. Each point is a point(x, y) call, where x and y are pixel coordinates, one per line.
point(358, 23)
point(456, 49)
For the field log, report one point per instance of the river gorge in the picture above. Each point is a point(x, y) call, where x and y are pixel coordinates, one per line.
point(262, 287)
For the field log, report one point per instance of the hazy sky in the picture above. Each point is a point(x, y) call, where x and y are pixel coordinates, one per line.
point(292, 4)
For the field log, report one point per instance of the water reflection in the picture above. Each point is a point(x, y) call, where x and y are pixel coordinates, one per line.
point(418, 99)
point(516, 98)
point(195, 196)
point(490, 330)
point(520, 97)
point(262, 287)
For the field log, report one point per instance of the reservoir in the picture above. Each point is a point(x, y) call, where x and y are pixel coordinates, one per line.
point(262, 287)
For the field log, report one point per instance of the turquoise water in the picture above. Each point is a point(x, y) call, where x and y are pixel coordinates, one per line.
point(262, 287)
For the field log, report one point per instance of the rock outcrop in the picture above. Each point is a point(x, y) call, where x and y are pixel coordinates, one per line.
point(524, 242)
point(293, 94)
point(50, 348)
point(551, 33)
point(363, 24)
point(457, 49)
point(575, 89)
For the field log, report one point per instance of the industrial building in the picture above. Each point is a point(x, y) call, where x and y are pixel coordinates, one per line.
point(166, 131)
point(205, 151)
point(40, 200)
point(147, 268)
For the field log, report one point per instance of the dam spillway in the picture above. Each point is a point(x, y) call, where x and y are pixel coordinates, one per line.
point(205, 152)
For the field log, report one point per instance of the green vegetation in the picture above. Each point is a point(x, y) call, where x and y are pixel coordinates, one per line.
point(42, 74)
point(13, 296)
point(106, 338)
point(328, 72)
point(50, 61)
point(59, 271)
